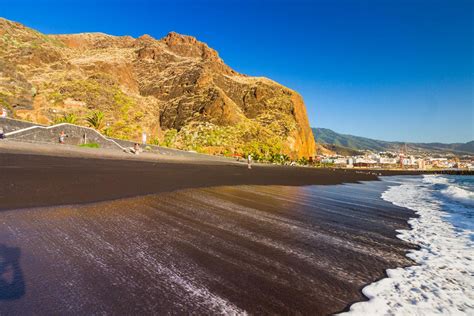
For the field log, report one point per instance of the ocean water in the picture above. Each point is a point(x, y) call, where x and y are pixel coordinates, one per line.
point(442, 281)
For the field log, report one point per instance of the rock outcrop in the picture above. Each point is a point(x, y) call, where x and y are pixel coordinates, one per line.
point(177, 89)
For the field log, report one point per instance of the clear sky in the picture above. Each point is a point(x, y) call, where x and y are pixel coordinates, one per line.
point(391, 70)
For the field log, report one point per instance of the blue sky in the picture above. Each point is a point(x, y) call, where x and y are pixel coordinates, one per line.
point(391, 70)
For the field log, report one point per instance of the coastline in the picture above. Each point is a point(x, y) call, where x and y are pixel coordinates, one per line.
point(437, 282)
point(247, 248)
point(87, 175)
point(61, 182)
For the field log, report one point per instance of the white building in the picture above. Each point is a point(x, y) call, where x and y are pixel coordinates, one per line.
point(340, 161)
point(421, 164)
point(365, 160)
point(387, 161)
point(350, 162)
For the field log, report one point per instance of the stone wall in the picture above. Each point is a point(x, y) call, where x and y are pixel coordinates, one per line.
point(10, 125)
point(75, 135)
point(35, 133)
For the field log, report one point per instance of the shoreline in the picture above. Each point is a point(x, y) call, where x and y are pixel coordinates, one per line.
point(441, 260)
point(86, 181)
point(216, 249)
point(48, 175)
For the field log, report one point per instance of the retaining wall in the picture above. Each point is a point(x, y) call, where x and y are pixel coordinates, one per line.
point(36, 133)
point(10, 125)
point(75, 135)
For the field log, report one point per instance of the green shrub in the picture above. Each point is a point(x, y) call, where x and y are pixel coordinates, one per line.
point(96, 120)
point(170, 137)
point(107, 131)
point(91, 145)
point(279, 158)
point(155, 141)
point(66, 118)
point(303, 161)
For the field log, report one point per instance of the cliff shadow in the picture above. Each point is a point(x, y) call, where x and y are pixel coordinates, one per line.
point(12, 284)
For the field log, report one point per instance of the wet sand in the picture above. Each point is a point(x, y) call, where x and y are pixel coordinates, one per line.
point(168, 235)
point(258, 249)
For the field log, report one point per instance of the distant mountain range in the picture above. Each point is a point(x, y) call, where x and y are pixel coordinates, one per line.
point(349, 144)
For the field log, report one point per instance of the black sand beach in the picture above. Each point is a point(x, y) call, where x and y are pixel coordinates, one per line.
point(226, 239)
point(49, 175)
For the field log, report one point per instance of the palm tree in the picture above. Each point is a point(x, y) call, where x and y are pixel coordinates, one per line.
point(96, 120)
point(66, 118)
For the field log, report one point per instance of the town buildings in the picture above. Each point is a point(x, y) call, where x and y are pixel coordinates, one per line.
point(392, 160)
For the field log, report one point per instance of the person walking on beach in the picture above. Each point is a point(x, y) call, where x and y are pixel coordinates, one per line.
point(249, 161)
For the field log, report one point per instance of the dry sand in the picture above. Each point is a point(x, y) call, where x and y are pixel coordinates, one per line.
point(43, 175)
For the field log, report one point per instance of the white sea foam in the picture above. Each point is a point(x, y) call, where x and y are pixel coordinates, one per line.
point(458, 193)
point(432, 179)
point(442, 282)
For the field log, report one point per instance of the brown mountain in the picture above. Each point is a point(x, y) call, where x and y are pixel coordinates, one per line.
point(177, 89)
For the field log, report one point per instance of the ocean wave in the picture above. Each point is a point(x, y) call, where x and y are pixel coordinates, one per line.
point(451, 190)
point(459, 194)
point(434, 179)
point(442, 281)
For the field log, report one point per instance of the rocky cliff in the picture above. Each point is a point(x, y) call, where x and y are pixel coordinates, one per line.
point(177, 89)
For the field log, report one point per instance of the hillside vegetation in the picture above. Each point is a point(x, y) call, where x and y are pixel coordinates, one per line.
point(176, 89)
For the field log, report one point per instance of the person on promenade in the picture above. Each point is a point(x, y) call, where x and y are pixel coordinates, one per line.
point(144, 138)
point(249, 161)
point(136, 149)
point(4, 113)
point(62, 137)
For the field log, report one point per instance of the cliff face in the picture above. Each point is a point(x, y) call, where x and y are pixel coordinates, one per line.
point(176, 88)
